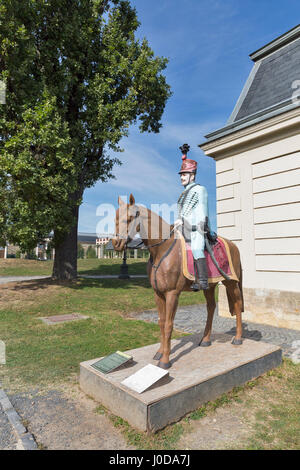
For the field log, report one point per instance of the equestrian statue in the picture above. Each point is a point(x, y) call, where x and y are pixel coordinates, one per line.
point(186, 256)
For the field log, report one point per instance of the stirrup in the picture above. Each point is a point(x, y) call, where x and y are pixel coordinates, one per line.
point(199, 285)
point(204, 284)
point(195, 286)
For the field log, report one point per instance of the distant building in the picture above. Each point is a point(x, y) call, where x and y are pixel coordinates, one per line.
point(257, 158)
point(8, 251)
point(2, 252)
point(135, 248)
point(86, 240)
point(97, 241)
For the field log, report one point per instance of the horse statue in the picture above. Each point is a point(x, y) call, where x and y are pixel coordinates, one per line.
point(166, 274)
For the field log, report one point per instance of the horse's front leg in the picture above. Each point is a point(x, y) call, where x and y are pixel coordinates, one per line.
point(161, 308)
point(210, 306)
point(171, 307)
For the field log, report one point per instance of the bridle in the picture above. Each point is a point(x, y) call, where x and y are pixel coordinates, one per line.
point(130, 238)
point(155, 266)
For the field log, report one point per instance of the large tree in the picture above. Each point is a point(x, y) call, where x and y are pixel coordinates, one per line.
point(76, 78)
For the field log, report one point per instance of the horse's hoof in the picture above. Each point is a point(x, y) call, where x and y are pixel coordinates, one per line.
point(205, 344)
point(237, 342)
point(157, 356)
point(164, 365)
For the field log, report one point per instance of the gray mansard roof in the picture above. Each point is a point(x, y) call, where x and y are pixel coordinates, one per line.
point(268, 90)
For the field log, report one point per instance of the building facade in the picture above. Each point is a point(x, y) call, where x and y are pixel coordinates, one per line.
point(41, 251)
point(257, 158)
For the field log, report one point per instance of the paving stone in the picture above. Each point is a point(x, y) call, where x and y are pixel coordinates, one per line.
point(192, 319)
point(8, 440)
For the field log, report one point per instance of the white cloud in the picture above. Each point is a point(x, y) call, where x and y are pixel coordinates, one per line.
point(151, 175)
point(190, 133)
point(143, 171)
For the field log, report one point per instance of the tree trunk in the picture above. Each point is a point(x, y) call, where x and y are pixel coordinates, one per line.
point(65, 259)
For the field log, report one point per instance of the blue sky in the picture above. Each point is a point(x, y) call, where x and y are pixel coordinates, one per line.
point(208, 43)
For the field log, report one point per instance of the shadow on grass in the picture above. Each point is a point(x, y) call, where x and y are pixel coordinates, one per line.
point(135, 267)
point(77, 284)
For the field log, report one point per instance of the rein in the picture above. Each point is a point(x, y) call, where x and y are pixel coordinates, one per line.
point(151, 246)
point(161, 242)
point(129, 238)
point(156, 266)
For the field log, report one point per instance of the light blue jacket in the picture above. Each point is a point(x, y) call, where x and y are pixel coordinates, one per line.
point(194, 211)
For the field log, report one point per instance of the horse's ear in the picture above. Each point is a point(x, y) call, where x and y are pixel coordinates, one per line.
point(120, 201)
point(131, 200)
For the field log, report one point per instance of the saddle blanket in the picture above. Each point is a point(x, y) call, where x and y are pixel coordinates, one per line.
point(222, 255)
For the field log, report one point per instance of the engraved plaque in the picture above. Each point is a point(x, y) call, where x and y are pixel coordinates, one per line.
point(144, 378)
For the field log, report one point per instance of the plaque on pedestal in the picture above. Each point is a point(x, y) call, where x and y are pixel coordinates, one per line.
point(112, 362)
point(144, 378)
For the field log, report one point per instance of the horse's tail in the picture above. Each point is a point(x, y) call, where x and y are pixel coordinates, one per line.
point(241, 285)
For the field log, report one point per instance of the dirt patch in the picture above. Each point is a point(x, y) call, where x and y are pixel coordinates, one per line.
point(12, 262)
point(20, 294)
point(264, 414)
point(66, 419)
point(219, 430)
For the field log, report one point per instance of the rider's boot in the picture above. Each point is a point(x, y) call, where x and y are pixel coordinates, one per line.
point(201, 278)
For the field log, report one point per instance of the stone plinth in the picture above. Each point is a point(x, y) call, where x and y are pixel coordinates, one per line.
point(197, 376)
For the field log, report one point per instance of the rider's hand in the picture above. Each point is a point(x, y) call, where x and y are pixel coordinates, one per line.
point(178, 223)
point(201, 227)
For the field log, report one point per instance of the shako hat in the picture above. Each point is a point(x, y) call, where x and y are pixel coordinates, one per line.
point(188, 166)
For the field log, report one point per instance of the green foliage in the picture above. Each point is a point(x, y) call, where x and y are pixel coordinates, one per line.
point(30, 255)
point(91, 253)
point(80, 251)
point(39, 173)
point(76, 79)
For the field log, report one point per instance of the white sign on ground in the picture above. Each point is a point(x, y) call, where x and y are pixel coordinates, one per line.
point(2, 353)
point(144, 378)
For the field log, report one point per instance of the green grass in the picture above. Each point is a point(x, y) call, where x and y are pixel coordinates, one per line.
point(166, 439)
point(276, 410)
point(42, 354)
point(24, 267)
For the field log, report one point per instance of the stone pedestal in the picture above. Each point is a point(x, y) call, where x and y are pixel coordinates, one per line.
point(197, 375)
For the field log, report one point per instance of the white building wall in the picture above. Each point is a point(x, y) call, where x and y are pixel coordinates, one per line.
point(258, 208)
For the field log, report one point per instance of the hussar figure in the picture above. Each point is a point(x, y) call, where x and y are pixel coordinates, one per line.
point(166, 268)
point(193, 217)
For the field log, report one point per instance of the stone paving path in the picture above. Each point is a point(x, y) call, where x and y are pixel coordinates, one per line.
point(5, 279)
point(192, 319)
point(8, 440)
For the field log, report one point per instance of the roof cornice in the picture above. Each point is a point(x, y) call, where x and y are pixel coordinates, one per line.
point(276, 44)
point(249, 132)
point(263, 115)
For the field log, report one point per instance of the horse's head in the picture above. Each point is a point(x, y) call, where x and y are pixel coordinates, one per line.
point(126, 224)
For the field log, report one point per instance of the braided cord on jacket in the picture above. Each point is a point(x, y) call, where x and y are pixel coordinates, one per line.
point(189, 204)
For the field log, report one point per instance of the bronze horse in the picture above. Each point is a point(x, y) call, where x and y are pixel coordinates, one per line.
point(165, 273)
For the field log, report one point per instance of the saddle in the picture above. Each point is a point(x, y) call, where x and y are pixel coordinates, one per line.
point(221, 253)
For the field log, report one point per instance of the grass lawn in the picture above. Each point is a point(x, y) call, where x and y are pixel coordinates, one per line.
point(25, 267)
point(42, 356)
